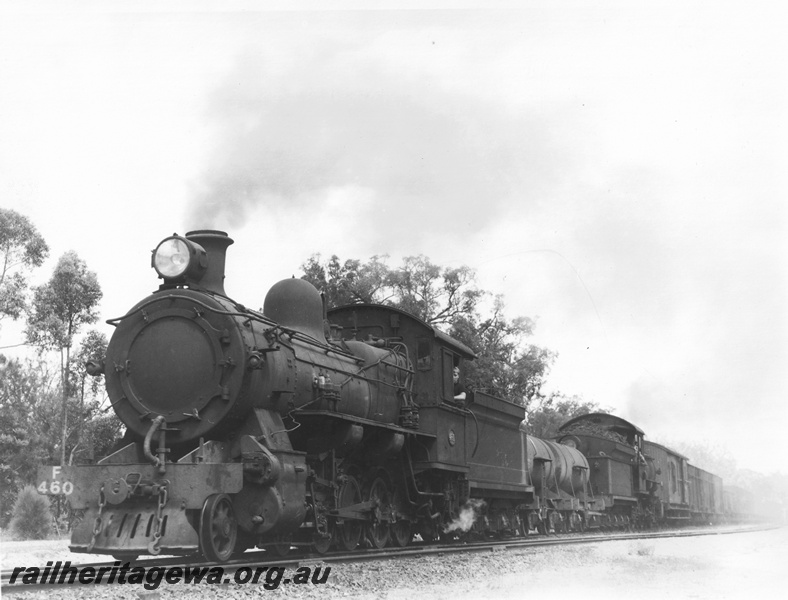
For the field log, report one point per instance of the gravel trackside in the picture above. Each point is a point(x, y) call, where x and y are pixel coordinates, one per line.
point(742, 565)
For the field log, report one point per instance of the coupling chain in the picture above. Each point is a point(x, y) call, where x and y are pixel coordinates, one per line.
point(97, 522)
point(153, 547)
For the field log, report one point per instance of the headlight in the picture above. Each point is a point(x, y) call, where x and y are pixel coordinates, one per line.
point(178, 260)
point(171, 258)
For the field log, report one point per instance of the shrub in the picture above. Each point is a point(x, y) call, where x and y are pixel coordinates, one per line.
point(31, 518)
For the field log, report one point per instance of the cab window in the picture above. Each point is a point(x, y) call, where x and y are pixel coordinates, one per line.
point(424, 355)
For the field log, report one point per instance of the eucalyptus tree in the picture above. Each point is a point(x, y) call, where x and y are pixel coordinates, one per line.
point(59, 310)
point(22, 248)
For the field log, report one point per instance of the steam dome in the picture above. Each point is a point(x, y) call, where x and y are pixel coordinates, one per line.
point(296, 304)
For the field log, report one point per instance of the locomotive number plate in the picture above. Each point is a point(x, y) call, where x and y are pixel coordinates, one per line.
point(55, 484)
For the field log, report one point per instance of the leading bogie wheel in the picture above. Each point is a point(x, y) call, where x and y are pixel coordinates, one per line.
point(218, 528)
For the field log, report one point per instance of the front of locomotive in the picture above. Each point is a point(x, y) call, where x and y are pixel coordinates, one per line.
point(177, 357)
point(204, 386)
point(178, 375)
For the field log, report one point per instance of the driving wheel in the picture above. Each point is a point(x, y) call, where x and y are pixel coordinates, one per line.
point(377, 529)
point(349, 532)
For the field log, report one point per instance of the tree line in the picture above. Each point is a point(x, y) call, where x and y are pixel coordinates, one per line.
point(51, 412)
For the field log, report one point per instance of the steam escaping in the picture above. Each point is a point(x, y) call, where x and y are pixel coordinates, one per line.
point(469, 513)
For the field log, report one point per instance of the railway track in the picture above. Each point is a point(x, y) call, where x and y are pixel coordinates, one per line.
point(252, 560)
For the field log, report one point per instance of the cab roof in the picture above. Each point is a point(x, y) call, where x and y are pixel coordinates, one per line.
point(611, 422)
point(442, 337)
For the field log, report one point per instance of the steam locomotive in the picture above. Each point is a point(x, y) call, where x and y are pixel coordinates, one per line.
point(302, 426)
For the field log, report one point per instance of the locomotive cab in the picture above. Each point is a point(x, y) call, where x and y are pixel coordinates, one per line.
point(470, 450)
point(620, 473)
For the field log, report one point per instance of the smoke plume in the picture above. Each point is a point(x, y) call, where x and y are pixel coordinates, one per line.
point(348, 125)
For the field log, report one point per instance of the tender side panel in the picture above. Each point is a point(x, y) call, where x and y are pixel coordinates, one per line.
point(611, 477)
point(448, 450)
point(496, 448)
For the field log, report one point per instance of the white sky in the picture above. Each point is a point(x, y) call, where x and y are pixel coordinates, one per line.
point(615, 168)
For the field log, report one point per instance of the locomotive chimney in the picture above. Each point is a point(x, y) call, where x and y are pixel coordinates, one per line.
point(215, 244)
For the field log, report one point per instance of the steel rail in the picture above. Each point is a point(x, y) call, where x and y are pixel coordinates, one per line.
point(256, 558)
